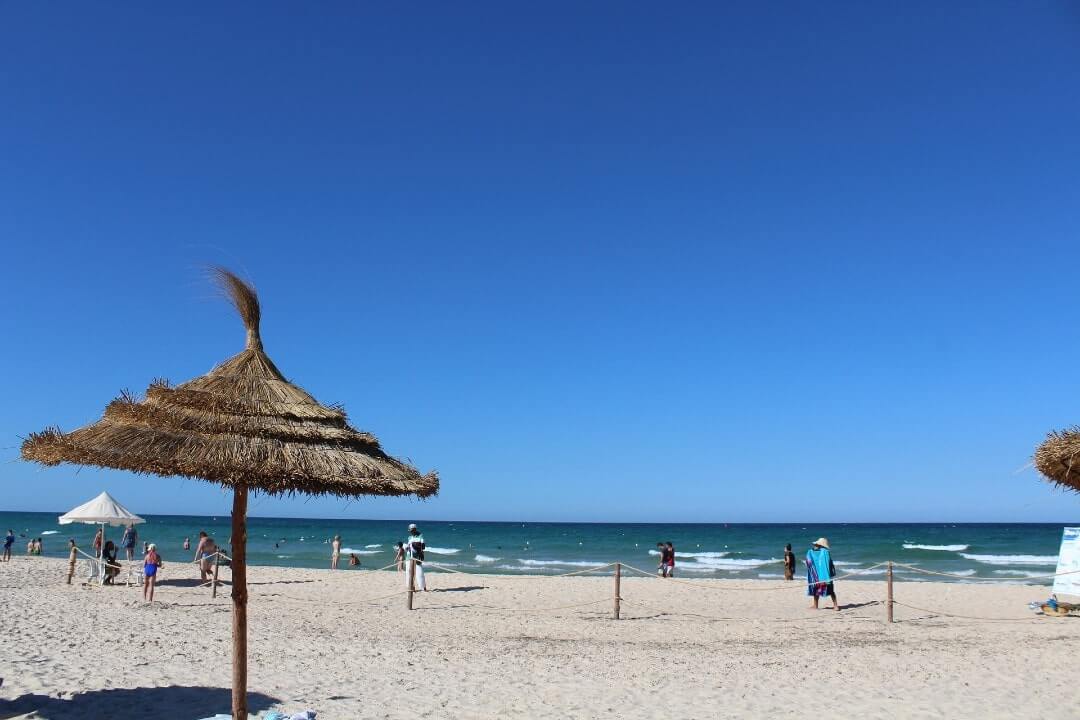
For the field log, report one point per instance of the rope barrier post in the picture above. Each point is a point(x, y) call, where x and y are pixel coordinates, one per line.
point(217, 564)
point(412, 584)
point(888, 598)
point(618, 582)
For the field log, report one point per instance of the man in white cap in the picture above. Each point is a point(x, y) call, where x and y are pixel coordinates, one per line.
point(414, 558)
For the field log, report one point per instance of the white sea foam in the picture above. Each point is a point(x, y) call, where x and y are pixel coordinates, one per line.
point(50, 532)
point(350, 551)
point(731, 564)
point(376, 545)
point(486, 559)
point(568, 564)
point(965, 573)
point(943, 548)
point(770, 575)
point(1012, 559)
point(844, 563)
point(1020, 573)
point(679, 554)
point(442, 551)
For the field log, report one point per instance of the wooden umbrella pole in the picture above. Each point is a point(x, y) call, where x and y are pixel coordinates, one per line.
point(239, 598)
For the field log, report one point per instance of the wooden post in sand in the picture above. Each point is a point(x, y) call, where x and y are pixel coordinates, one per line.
point(412, 583)
point(217, 564)
point(240, 600)
point(888, 598)
point(618, 582)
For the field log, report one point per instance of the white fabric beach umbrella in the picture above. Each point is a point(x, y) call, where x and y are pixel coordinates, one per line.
point(102, 510)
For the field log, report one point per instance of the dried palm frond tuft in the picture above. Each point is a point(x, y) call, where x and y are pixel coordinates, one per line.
point(1058, 458)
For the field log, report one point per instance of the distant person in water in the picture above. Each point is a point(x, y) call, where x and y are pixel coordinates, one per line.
point(399, 557)
point(414, 556)
point(187, 544)
point(670, 560)
point(9, 540)
point(353, 560)
point(335, 552)
point(151, 564)
point(820, 572)
point(661, 563)
point(73, 555)
point(789, 563)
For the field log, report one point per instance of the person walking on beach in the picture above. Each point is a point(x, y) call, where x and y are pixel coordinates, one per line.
point(98, 538)
point(151, 563)
point(670, 560)
point(399, 557)
point(335, 551)
point(661, 568)
point(789, 563)
point(820, 572)
point(73, 555)
point(9, 540)
point(414, 557)
point(201, 552)
point(130, 538)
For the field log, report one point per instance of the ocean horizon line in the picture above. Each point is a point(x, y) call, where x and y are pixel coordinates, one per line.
point(407, 520)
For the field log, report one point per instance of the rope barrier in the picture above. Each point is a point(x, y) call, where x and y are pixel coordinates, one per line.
point(790, 585)
point(431, 601)
point(363, 601)
point(522, 577)
point(517, 610)
point(982, 579)
point(962, 617)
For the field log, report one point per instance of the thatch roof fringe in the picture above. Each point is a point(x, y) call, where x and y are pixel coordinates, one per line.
point(1058, 458)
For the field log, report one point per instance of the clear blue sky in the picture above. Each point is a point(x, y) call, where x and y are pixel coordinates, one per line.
point(612, 261)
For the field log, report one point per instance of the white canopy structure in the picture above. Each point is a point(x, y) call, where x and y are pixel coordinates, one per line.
point(102, 510)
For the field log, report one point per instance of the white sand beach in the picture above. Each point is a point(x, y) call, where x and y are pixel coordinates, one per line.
point(483, 647)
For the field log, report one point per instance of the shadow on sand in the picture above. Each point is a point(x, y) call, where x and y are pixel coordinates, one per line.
point(461, 588)
point(134, 703)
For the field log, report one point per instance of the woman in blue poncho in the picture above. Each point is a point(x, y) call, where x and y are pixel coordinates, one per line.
point(820, 572)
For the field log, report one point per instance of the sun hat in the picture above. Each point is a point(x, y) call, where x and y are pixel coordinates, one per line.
point(823, 543)
point(412, 526)
point(151, 546)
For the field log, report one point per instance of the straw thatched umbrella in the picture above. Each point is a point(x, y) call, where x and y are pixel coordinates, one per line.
point(242, 425)
point(1058, 458)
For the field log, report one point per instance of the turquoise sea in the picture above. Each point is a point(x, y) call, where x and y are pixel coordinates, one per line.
point(1003, 551)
